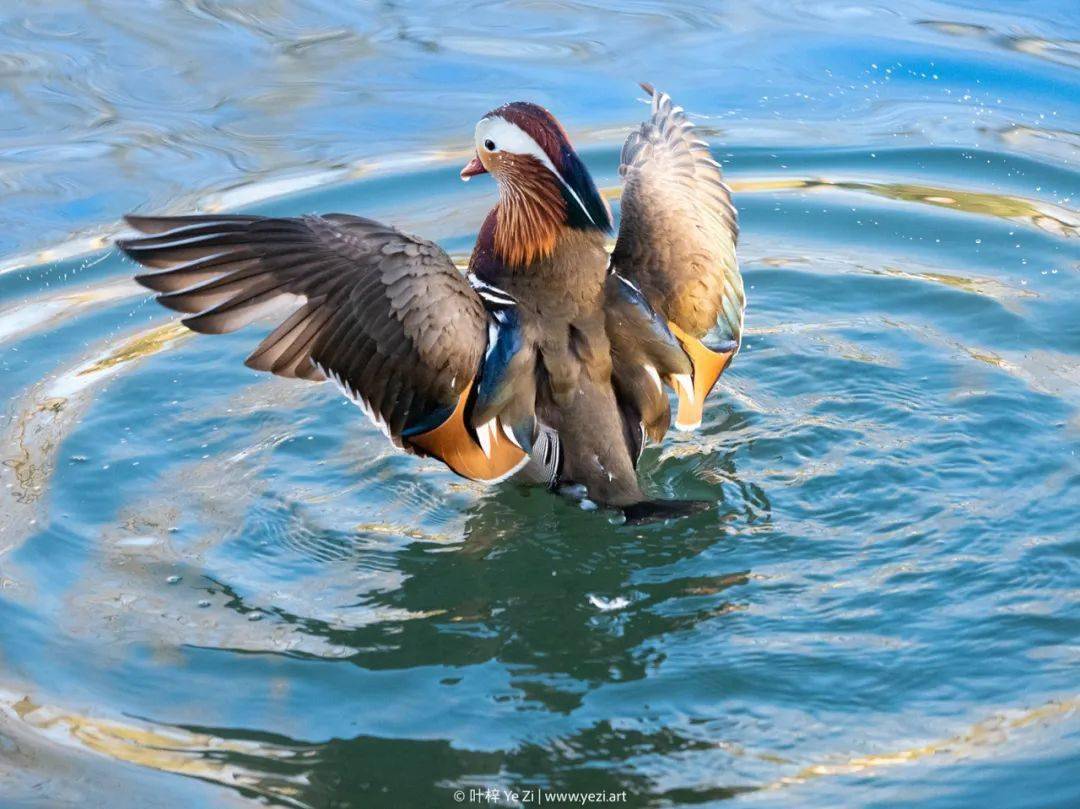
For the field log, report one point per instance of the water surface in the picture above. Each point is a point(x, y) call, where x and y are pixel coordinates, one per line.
point(218, 588)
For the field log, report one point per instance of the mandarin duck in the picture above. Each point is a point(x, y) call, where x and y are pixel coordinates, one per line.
point(549, 360)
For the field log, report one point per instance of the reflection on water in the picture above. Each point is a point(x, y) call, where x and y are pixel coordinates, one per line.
point(226, 589)
point(304, 775)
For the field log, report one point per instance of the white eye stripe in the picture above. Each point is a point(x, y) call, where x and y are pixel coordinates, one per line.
point(509, 137)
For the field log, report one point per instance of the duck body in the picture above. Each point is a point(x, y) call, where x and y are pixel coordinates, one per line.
point(550, 360)
point(561, 305)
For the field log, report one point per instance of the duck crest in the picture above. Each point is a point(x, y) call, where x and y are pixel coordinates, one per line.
point(585, 207)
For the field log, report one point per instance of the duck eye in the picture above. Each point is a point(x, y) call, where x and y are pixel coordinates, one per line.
point(489, 144)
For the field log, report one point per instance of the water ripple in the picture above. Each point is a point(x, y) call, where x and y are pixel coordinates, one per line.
point(229, 589)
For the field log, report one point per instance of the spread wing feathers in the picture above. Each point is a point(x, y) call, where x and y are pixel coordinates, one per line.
point(677, 241)
point(383, 314)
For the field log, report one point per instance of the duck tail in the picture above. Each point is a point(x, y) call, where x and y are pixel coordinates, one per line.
point(646, 511)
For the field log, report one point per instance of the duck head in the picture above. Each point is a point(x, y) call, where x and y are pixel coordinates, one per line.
point(544, 186)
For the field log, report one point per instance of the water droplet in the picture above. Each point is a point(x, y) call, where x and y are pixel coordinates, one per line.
point(173, 580)
point(255, 616)
point(204, 603)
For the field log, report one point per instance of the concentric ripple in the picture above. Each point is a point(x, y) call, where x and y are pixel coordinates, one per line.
point(218, 588)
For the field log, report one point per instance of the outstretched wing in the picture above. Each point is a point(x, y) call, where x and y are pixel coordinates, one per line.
point(386, 315)
point(677, 245)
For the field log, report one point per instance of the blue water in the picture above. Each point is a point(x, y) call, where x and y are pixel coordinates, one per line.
point(221, 589)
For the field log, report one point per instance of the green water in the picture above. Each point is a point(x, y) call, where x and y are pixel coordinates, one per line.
point(219, 588)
